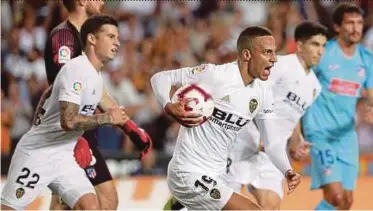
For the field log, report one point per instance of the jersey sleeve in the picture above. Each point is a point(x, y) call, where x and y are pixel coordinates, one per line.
point(163, 81)
point(266, 110)
point(369, 75)
point(71, 85)
point(62, 49)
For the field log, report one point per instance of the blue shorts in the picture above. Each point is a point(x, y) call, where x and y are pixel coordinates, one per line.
point(334, 162)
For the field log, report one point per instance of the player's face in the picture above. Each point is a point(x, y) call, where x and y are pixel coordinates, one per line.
point(312, 49)
point(351, 28)
point(107, 42)
point(263, 57)
point(95, 7)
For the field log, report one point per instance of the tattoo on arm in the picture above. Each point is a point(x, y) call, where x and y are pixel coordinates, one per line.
point(72, 120)
point(39, 109)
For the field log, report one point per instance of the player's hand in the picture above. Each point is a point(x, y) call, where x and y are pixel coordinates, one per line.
point(117, 115)
point(293, 180)
point(302, 150)
point(82, 153)
point(139, 138)
point(179, 112)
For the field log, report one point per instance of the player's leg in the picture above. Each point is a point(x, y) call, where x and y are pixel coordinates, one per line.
point(88, 201)
point(348, 199)
point(240, 202)
point(267, 187)
point(29, 172)
point(100, 176)
point(73, 186)
point(57, 203)
point(267, 199)
point(107, 195)
point(350, 168)
point(326, 174)
point(173, 204)
point(203, 192)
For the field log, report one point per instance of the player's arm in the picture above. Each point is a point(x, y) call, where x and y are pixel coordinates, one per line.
point(39, 109)
point(274, 144)
point(298, 147)
point(138, 136)
point(369, 89)
point(369, 115)
point(70, 87)
point(72, 120)
point(163, 81)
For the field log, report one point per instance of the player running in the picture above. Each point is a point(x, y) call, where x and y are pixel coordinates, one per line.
point(196, 171)
point(63, 44)
point(344, 71)
point(295, 87)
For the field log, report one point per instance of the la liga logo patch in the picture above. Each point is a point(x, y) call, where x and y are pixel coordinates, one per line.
point(77, 86)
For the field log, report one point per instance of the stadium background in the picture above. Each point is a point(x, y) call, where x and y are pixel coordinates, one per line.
point(155, 36)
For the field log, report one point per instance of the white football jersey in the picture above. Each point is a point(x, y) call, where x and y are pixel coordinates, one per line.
point(205, 148)
point(293, 91)
point(77, 82)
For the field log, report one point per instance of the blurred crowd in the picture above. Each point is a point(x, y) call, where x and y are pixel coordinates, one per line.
point(155, 36)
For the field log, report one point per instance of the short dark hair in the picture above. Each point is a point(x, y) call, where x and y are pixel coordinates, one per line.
point(246, 37)
point(307, 29)
point(93, 25)
point(344, 8)
point(70, 5)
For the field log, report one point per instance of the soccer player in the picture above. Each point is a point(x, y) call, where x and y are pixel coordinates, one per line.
point(44, 155)
point(295, 87)
point(241, 93)
point(345, 69)
point(63, 44)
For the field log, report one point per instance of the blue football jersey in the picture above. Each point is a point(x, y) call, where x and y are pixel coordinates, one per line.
point(332, 115)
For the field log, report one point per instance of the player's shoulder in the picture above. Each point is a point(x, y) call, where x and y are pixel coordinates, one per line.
point(365, 52)
point(62, 29)
point(78, 64)
point(286, 61)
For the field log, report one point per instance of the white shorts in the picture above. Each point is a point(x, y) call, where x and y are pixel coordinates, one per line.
point(198, 191)
point(258, 171)
point(33, 170)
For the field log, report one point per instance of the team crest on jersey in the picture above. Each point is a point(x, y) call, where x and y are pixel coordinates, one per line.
point(198, 69)
point(20, 192)
point(64, 54)
point(91, 172)
point(253, 105)
point(361, 71)
point(215, 194)
point(333, 67)
point(77, 86)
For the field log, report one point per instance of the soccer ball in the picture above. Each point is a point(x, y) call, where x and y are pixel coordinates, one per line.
point(202, 101)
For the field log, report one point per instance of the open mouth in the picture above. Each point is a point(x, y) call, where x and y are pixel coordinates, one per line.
point(114, 50)
point(267, 70)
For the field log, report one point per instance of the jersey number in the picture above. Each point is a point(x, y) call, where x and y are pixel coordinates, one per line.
point(326, 157)
point(229, 163)
point(30, 184)
point(205, 181)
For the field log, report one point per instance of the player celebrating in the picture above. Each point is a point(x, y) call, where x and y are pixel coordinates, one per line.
point(344, 70)
point(63, 44)
point(198, 165)
point(44, 155)
point(295, 87)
